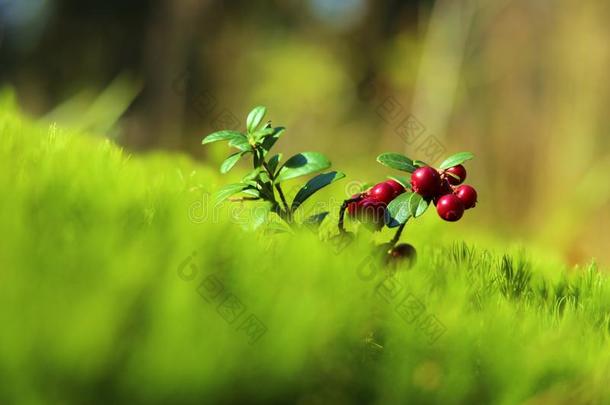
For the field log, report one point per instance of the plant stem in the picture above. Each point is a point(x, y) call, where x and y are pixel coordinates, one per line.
point(342, 211)
point(280, 212)
point(285, 214)
point(397, 235)
point(283, 198)
point(240, 199)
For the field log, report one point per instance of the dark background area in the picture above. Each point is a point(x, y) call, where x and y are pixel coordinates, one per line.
point(53, 49)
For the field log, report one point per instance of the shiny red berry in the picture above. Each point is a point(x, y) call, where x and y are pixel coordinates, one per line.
point(444, 189)
point(400, 253)
point(468, 196)
point(382, 192)
point(450, 208)
point(426, 182)
point(371, 212)
point(398, 188)
point(459, 172)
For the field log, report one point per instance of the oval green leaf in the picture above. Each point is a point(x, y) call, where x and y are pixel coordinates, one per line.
point(274, 162)
point(228, 190)
point(397, 161)
point(225, 135)
point(302, 164)
point(240, 143)
point(252, 175)
point(456, 159)
point(252, 192)
point(417, 205)
point(270, 140)
point(313, 185)
point(420, 163)
point(404, 181)
point(262, 133)
point(398, 211)
point(314, 221)
point(230, 162)
point(255, 117)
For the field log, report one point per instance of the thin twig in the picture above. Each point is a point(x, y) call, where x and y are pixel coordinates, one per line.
point(279, 190)
point(283, 198)
point(240, 199)
point(397, 235)
point(285, 214)
point(342, 212)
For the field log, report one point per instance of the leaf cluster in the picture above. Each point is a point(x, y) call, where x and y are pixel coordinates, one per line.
point(269, 172)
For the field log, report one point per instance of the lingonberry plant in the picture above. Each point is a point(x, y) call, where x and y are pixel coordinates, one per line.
point(264, 182)
point(390, 203)
point(393, 202)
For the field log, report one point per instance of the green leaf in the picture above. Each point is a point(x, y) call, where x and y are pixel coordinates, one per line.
point(404, 181)
point(313, 222)
point(252, 192)
point(262, 133)
point(252, 183)
point(255, 117)
point(257, 160)
point(398, 211)
point(313, 185)
point(228, 190)
point(252, 175)
point(230, 162)
point(420, 163)
point(417, 205)
point(240, 143)
point(456, 159)
point(264, 177)
point(270, 140)
point(302, 164)
point(455, 176)
point(225, 135)
point(397, 161)
point(274, 162)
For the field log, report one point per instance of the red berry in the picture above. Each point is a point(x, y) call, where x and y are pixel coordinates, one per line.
point(468, 196)
point(398, 188)
point(382, 192)
point(450, 208)
point(459, 171)
point(400, 252)
point(426, 182)
point(444, 189)
point(352, 207)
point(371, 212)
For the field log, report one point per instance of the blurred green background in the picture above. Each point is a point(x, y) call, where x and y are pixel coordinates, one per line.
point(523, 84)
point(95, 238)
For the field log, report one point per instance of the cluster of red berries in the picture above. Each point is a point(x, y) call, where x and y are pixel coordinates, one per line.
point(444, 189)
point(369, 207)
